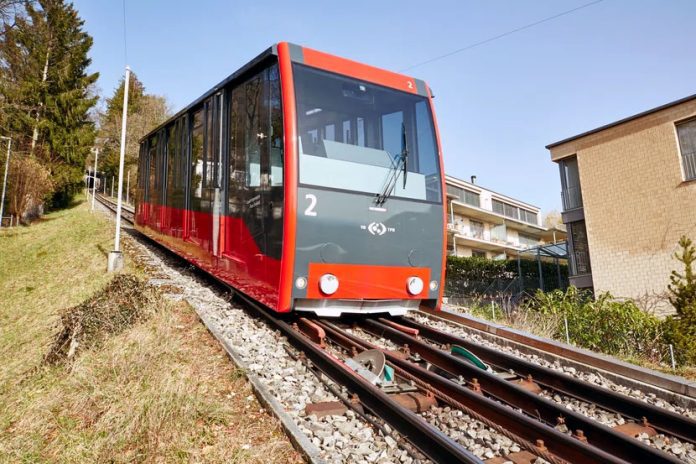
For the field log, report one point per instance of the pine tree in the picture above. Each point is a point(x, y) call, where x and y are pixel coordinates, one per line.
point(48, 93)
point(683, 286)
point(681, 329)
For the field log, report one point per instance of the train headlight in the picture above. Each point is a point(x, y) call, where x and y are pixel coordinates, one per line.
point(328, 283)
point(433, 285)
point(414, 285)
point(301, 283)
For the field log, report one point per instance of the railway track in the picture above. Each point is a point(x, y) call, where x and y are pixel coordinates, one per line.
point(430, 370)
point(429, 440)
point(658, 418)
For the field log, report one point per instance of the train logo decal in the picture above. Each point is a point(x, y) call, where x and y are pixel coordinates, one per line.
point(377, 228)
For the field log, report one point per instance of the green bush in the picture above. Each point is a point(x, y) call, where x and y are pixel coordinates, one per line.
point(601, 324)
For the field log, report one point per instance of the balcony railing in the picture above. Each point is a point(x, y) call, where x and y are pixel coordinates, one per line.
point(572, 198)
point(689, 160)
point(580, 263)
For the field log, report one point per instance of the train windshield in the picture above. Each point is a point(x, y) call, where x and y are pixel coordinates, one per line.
point(352, 135)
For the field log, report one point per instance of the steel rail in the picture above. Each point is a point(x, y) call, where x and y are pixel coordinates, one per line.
point(661, 419)
point(601, 436)
point(429, 440)
point(561, 445)
point(125, 209)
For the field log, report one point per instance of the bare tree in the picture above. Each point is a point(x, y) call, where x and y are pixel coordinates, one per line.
point(552, 219)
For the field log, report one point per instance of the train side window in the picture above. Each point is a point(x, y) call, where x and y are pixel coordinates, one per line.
point(212, 143)
point(197, 160)
point(236, 151)
point(152, 174)
point(183, 155)
point(141, 166)
point(276, 130)
point(172, 168)
point(253, 135)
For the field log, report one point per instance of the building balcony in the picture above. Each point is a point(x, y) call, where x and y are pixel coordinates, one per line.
point(481, 242)
point(486, 215)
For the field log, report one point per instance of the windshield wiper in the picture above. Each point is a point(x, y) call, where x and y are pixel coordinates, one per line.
point(393, 175)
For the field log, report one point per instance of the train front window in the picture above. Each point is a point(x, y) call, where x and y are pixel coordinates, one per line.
point(351, 136)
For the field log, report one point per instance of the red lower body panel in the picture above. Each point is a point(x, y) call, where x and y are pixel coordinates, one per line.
point(357, 281)
point(219, 245)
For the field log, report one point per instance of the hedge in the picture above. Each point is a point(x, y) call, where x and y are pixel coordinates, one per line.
point(474, 276)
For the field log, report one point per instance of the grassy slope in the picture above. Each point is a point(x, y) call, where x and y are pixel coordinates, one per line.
point(161, 391)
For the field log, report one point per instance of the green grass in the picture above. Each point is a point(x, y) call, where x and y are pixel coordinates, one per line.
point(158, 391)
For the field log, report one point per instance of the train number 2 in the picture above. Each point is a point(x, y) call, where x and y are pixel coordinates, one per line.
point(312, 204)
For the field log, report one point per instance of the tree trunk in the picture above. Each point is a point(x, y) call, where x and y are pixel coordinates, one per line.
point(35, 135)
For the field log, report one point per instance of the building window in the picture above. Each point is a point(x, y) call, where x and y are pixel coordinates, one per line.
point(499, 233)
point(580, 254)
point(513, 212)
point(465, 196)
point(570, 183)
point(476, 229)
point(472, 198)
point(686, 132)
point(478, 254)
point(528, 240)
point(498, 207)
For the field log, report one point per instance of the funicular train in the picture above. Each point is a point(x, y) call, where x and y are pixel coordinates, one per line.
point(308, 182)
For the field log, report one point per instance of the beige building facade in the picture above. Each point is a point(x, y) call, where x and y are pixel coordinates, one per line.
point(491, 225)
point(629, 193)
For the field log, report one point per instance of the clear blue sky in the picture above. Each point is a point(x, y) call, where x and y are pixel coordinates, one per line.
point(497, 105)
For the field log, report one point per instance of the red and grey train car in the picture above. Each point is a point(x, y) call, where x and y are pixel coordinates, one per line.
point(308, 182)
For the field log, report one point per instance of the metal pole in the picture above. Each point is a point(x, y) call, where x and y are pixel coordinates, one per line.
point(4, 182)
point(541, 276)
point(565, 320)
point(671, 355)
point(128, 187)
point(94, 178)
point(115, 259)
point(558, 272)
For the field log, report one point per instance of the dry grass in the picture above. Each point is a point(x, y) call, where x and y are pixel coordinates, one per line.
point(159, 389)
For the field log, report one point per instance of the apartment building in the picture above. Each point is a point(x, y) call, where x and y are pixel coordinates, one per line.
point(629, 193)
point(491, 225)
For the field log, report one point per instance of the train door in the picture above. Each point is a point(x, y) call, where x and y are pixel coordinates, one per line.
point(153, 181)
point(255, 204)
point(141, 191)
point(253, 226)
point(206, 176)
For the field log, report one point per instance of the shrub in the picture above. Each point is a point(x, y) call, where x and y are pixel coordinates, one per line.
point(602, 324)
point(29, 183)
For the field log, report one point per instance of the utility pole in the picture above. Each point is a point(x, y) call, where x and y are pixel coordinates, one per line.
point(115, 261)
point(4, 182)
point(94, 178)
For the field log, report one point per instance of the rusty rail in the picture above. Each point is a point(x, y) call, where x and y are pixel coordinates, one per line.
point(603, 437)
point(659, 418)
